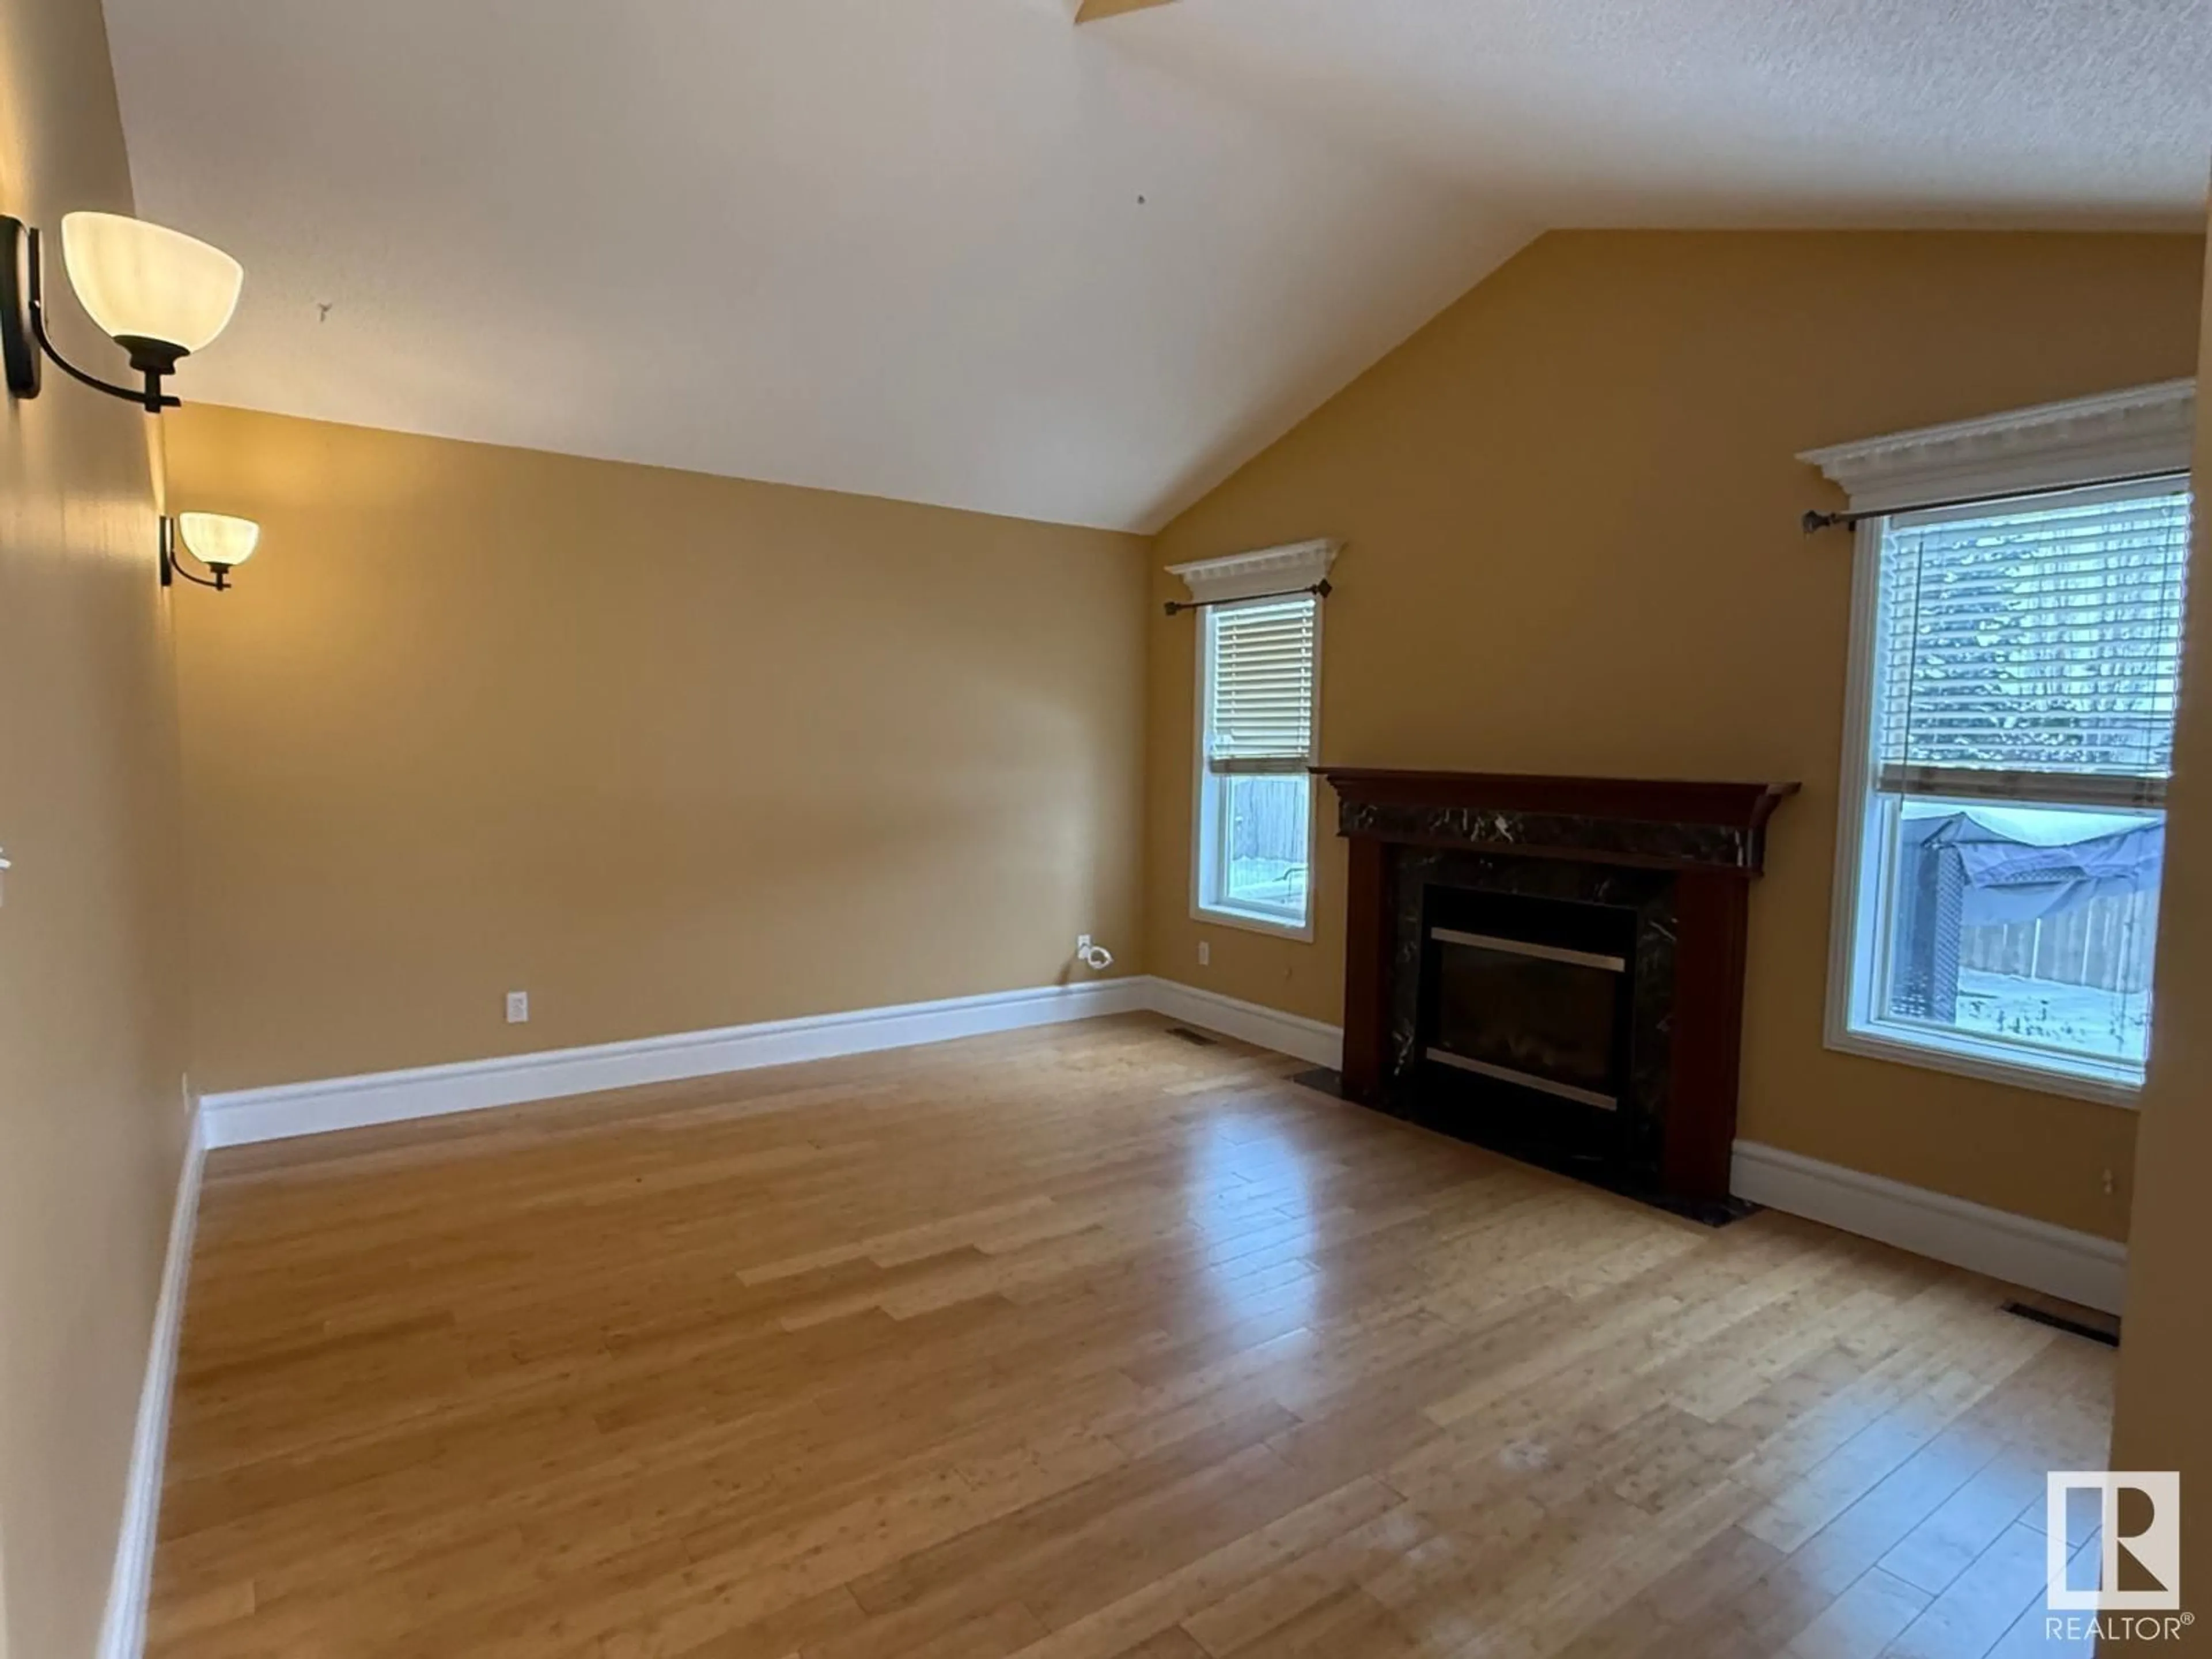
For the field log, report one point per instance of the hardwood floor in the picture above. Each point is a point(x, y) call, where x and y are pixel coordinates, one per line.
point(1082, 1342)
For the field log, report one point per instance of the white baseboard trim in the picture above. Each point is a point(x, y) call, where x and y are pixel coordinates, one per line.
point(2056, 1261)
point(247, 1116)
point(1309, 1040)
point(123, 1628)
point(244, 1117)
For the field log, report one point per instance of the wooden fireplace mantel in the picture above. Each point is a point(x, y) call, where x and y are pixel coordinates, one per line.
point(1711, 836)
point(1686, 824)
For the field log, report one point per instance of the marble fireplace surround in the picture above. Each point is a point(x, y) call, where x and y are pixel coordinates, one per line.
point(1682, 854)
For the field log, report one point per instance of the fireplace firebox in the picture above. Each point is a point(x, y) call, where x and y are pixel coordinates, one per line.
point(1554, 967)
point(1533, 992)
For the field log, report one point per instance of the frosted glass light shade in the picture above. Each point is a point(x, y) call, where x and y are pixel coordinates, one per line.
point(216, 538)
point(141, 282)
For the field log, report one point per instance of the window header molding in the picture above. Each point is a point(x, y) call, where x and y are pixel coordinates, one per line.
point(2142, 430)
point(1251, 575)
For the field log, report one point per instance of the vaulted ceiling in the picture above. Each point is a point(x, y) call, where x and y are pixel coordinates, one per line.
point(961, 252)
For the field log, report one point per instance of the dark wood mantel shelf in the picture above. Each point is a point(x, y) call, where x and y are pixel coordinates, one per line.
point(1706, 825)
point(1710, 838)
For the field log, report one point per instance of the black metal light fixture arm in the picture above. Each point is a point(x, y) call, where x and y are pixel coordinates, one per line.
point(173, 563)
point(153, 399)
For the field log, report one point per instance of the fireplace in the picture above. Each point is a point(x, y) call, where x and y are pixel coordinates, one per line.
point(1553, 967)
point(1535, 992)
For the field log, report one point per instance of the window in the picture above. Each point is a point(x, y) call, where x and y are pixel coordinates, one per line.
point(2020, 683)
point(1259, 664)
point(1257, 673)
point(2015, 666)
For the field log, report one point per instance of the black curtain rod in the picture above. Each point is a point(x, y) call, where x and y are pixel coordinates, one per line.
point(1320, 590)
point(1815, 522)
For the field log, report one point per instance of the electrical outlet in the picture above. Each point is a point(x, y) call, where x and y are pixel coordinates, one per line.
point(518, 1007)
point(1205, 954)
point(185, 1090)
point(1082, 943)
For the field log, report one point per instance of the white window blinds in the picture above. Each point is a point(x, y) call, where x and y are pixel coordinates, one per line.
point(1259, 692)
point(2034, 651)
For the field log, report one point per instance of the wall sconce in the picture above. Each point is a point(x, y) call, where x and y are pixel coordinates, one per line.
point(216, 540)
point(157, 293)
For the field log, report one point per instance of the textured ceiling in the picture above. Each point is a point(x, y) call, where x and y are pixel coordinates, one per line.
point(1700, 112)
point(957, 251)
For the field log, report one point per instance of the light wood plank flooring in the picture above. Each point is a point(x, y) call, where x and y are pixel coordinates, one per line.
point(1081, 1342)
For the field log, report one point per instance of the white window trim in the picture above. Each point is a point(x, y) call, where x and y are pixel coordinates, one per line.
point(2143, 430)
point(1223, 582)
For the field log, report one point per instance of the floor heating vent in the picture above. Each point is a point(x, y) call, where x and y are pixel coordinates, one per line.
point(2058, 1321)
point(1189, 1036)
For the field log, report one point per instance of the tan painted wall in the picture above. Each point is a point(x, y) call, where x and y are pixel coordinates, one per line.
point(1570, 505)
point(669, 752)
point(92, 1024)
point(2166, 1364)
